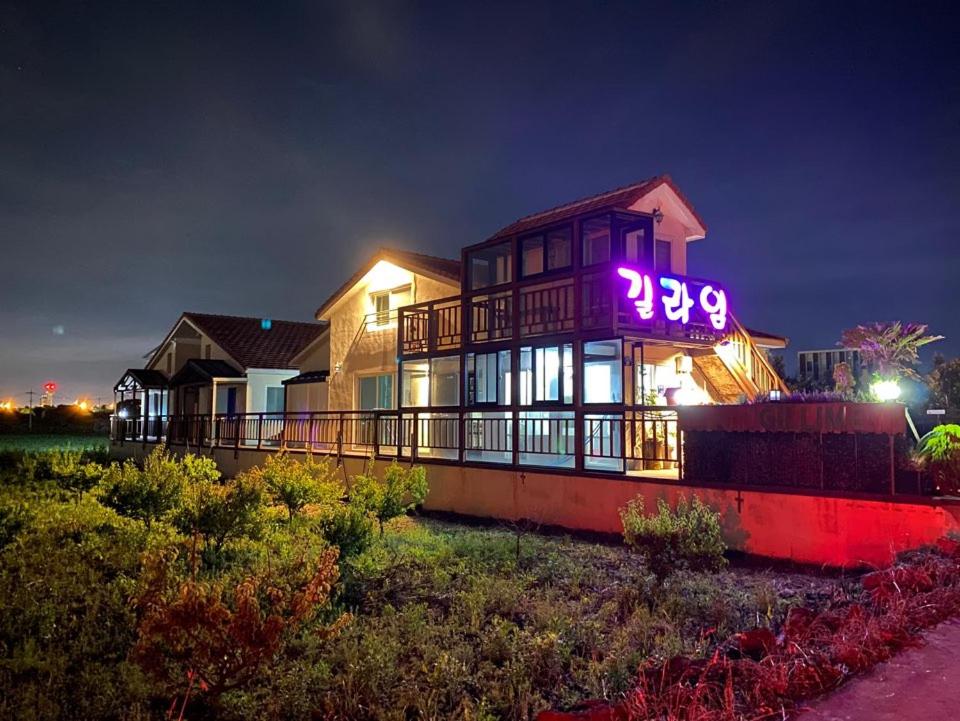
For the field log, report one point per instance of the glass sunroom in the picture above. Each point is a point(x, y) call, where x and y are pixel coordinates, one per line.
point(569, 349)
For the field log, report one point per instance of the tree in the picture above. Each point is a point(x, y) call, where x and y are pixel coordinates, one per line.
point(400, 490)
point(890, 348)
point(944, 382)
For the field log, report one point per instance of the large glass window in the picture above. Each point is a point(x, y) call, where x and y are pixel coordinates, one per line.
point(488, 378)
point(633, 244)
point(546, 374)
point(531, 255)
point(416, 383)
point(602, 372)
point(434, 382)
point(595, 238)
point(274, 400)
point(492, 265)
point(445, 381)
point(550, 251)
point(547, 438)
point(375, 392)
point(558, 249)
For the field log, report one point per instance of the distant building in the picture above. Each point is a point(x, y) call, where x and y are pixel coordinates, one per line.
point(816, 366)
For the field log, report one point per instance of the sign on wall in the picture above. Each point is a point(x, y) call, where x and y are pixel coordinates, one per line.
point(675, 298)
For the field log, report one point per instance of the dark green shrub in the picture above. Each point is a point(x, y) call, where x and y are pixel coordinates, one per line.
point(220, 512)
point(349, 527)
point(67, 627)
point(400, 490)
point(939, 452)
point(14, 517)
point(150, 493)
point(687, 538)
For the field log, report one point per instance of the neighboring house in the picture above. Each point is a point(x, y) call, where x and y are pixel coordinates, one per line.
point(359, 352)
point(816, 366)
point(217, 364)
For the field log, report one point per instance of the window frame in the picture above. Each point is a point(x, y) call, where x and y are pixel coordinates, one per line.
point(544, 236)
point(583, 373)
point(376, 376)
point(563, 348)
point(499, 367)
point(472, 254)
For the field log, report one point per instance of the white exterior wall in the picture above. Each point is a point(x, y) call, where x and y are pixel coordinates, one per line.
point(258, 379)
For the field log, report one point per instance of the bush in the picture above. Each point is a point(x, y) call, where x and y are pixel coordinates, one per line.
point(220, 512)
point(939, 451)
point(198, 637)
point(349, 527)
point(400, 490)
point(295, 484)
point(688, 538)
point(67, 627)
point(150, 493)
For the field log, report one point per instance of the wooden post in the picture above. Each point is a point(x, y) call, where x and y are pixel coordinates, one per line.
point(259, 431)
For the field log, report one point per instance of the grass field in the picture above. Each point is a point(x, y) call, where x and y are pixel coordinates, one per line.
point(49, 443)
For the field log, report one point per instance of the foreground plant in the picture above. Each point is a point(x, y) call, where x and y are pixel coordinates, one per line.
point(295, 484)
point(399, 491)
point(199, 638)
point(687, 538)
point(939, 452)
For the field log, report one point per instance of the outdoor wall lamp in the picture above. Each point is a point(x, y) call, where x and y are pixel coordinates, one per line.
point(658, 215)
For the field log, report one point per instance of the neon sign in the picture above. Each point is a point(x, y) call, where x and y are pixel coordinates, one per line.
point(681, 300)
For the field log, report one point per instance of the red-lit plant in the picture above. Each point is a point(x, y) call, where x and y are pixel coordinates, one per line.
point(198, 637)
point(758, 674)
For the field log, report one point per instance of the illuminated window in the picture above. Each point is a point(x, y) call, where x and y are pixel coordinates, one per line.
point(546, 374)
point(381, 307)
point(602, 372)
point(488, 378)
point(492, 265)
point(434, 382)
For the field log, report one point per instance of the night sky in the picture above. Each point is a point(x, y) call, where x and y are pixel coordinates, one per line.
point(160, 157)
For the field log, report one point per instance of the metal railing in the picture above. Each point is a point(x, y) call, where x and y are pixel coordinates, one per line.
point(630, 438)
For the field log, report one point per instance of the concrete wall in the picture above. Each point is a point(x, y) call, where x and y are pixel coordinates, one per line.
point(835, 531)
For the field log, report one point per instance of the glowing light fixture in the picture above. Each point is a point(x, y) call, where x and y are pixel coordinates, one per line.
point(727, 351)
point(386, 276)
point(82, 405)
point(885, 390)
point(123, 413)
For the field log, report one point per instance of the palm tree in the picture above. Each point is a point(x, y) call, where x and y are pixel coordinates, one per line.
point(891, 348)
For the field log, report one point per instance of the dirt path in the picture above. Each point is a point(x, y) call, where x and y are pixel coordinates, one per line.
point(920, 683)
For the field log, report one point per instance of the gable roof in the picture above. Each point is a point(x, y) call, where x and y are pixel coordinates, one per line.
point(249, 344)
point(443, 269)
point(619, 198)
point(203, 370)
